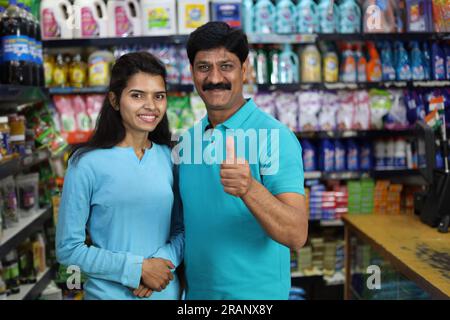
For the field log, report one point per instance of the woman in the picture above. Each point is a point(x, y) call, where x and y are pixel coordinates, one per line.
point(120, 186)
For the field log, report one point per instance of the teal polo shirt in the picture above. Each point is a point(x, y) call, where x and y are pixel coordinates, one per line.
point(228, 255)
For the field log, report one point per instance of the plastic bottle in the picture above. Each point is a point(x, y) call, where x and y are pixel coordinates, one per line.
point(326, 155)
point(365, 162)
point(39, 75)
point(403, 65)
point(274, 66)
point(352, 155)
point(229, 11)
point(3, 288)
point(361, 64)
point(418, 72)
point(248, 16)
point(309, 156)
point(124, 18)
point(286, 17)
point(437, 62)
point(374, 73)
point(380, 155)
point(289, 66)
point(39, 254)
point(56, 19)
point(426, 60)
point(16, 66)
point(389, 159)
point(387, 62)
point(308, 21)
point(12, 270)
point(330, 65)
point(99, 68)
point(78, 72)
point(400, 154)
point(262, 69)
point(265, 16)
point(348, 68)
point(192, 14)
point(30, 35)
point(447, 60)
point(378, 16)
point(339, 156)
point(311, 64)
point(91, 19)
point(328, 13)
point(349, 17)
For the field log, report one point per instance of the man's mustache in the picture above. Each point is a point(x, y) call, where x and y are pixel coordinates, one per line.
point(213, 86)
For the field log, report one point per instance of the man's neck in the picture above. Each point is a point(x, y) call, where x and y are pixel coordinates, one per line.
point(217, 117)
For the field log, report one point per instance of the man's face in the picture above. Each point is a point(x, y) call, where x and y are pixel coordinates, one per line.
point(218, 77)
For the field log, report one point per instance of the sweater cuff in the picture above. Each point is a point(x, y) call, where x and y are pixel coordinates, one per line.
point(132, 272)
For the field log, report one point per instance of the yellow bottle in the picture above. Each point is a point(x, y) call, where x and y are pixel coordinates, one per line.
point(59, 72)
point(77, 72)
point(49, 65)
point(311, 64)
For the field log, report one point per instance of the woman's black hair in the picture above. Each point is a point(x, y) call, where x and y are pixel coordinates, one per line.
point(109, 130)
point(214, 35)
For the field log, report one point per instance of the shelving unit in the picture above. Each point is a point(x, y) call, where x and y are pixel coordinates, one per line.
point(17, 165)
point(33, 290)
point(14, 95)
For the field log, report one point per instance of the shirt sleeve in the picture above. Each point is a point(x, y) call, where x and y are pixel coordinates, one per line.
point(121, 267)
point(281, 164)
point(173, 250)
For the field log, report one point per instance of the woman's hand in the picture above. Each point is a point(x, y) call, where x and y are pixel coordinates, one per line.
point(156, 273)
point(143, 292)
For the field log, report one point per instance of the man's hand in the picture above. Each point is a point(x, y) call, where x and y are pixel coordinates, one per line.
point(156, 273)
point(235, 174)
point(143, 292)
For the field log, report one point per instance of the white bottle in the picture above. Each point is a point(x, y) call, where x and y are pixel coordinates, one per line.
point(192, 14)
point(124, 18)
point(90, 19)
point(159, 17)
point(56, 19)
point(400, 154)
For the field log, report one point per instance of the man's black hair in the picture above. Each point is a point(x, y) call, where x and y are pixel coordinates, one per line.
point(215, 34)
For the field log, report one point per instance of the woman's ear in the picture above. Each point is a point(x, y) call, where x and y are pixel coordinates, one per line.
point(113, 101)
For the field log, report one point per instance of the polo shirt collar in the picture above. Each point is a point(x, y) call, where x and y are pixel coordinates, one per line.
point(237, 119)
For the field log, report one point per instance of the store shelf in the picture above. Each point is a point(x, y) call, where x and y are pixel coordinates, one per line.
point(32, 291)
point(113, 42)
point(354, 175)
point(410, 36)
point(13, 237)
point(9, 167)
point(273, 38)
point(102, 90)
point(331, 223)
point(17, 165)
point(386, 174)
point(294, 87)
point(12, 95)
point(342, 134)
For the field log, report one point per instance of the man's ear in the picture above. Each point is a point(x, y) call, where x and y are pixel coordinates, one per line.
point(113, 101)
point(244, 69)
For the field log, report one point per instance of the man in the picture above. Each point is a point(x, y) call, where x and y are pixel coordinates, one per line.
point(241, 215)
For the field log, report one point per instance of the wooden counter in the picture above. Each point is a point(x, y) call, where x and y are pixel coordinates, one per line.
point(416, 250)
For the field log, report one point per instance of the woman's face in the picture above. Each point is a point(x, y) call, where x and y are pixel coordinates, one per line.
point(143, 102)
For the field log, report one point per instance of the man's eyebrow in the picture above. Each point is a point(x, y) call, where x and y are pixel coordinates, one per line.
point(221, 61)
point(145, 92)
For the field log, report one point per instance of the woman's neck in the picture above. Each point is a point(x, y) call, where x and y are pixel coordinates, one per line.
point(138, 141)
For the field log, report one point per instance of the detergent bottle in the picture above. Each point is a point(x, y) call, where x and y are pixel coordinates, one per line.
point(286, 17)
point(374, 70)
point(361, 64)
point(265, 17)
point(311, 64)
point(417, 69)
point(348, 69)
point(403, 67)
point(328, 14)
point(349, 17)
point(330, 65)
point(307, 16)
point(55, 19)
point(90, 19)
point(289, 65)
point(159, 17)
point(124, 18)
point(247, 16)
point(387, 62)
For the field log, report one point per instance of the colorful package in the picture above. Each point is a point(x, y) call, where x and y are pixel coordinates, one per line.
point(309, 105)
point(287, 109)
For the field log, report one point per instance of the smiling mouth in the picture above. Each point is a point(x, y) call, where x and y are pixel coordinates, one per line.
point(147, 118)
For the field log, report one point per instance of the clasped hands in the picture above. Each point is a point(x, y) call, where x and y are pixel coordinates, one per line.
point(156, 276)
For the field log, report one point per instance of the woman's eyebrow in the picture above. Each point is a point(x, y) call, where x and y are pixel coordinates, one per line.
point(136, 90)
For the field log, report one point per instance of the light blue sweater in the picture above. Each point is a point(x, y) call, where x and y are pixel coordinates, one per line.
point(131, 210)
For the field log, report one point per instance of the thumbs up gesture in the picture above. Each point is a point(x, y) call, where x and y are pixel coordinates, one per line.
point(235, 173)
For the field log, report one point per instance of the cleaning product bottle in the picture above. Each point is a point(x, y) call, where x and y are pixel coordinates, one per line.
point(437, 62)
point(361, 64)
point(55, 19)
point(248, 16)
point(378, 16)
point(349, 17)
point(374, 73)
point(274, 66)
point(309, 156)
point(90, 19)
point(99, 68)
point(387, 62)
point(426, 61)
point(418, 72)
point(348, 69)
point(326, 155)
point(328, 13)
point(124, 18)
point(352, 155)
point(192, 14)
point(262, 69)
point(60, 75)
point(289, 65)
point(229, 11)
point(158, 17)
point(307, 16)
point(330, 65)
point(339, 156)
point(286, 17)
point(265, 17)
point(447, 60)
point(77, 72)
point(403, 67)
point(366, 162)
point(400, 154)
point(311, 64)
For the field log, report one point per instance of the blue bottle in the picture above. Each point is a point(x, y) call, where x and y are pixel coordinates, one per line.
point(309, 156)
point(366, 157)
point(264, 17)
point(339, 156)
point(349, 17)
point(437, 62)
point(352, 155)
point(307, 16)
point(418, 71)
point(286, 17)
point(447, 60)
point(426, 60)
point(403, 66)
point(328, 14)
point(247, 16)
point(326, 155)
point(387, 62)
point(289, 66)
